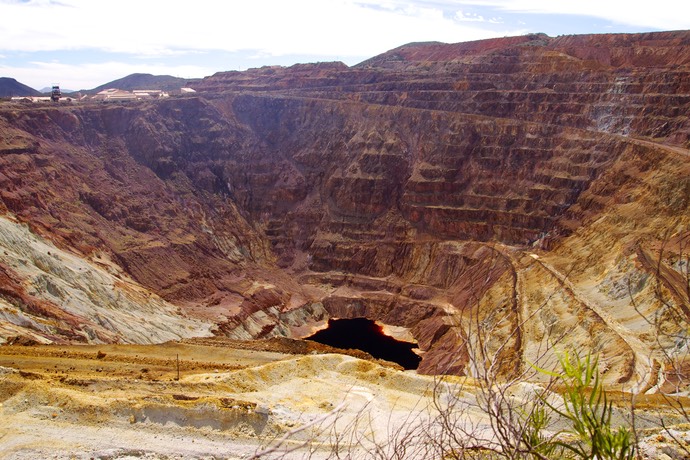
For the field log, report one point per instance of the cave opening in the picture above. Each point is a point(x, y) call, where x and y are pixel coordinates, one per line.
point(364, 334)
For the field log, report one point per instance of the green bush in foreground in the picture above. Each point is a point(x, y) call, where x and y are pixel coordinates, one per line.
point(588, 410)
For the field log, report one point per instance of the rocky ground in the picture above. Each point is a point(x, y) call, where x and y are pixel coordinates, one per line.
point(232, 400)
point(264, 399)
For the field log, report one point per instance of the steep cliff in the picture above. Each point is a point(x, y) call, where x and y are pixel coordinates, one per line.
point(496, 199)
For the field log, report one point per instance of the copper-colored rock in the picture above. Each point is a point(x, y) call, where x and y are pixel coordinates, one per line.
point(435, 187)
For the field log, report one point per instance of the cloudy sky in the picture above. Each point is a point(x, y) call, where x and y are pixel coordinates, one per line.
point(81, 44)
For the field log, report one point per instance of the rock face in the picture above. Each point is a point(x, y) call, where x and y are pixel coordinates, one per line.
point(500, 199)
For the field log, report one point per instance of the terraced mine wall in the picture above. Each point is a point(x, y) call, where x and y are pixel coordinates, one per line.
point(502, 187)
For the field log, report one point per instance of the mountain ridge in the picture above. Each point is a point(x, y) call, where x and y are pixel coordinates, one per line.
point(10, 87)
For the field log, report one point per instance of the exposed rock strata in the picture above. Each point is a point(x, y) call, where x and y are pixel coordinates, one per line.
point(510, 188)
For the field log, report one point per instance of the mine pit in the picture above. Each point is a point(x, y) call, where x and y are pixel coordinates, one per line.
point(368, 336)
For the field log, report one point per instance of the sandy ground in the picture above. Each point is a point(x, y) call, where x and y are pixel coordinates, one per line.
point(235, 400)
point(232, 400)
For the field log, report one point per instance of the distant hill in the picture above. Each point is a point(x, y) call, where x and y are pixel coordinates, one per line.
point(49, 89)
point(143, 81)
point(10, 87)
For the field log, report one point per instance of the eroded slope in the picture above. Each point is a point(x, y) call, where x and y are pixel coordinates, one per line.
point(519, 190)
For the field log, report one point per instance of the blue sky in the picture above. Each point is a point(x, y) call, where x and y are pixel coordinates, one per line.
point(81, 44)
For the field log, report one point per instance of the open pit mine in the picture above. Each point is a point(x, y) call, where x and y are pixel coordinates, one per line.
point(490, 204)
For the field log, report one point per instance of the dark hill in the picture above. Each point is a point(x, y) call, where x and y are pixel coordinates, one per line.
point(10, 87)
point(144, 81)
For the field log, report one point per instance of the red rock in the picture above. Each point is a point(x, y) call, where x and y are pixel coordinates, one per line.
point(404, 189)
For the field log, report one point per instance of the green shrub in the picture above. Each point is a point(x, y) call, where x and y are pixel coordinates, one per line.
point(589, 412)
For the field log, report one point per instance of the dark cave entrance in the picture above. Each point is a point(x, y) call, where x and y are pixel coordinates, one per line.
point(364, 334)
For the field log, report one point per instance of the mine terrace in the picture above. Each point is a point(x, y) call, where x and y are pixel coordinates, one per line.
point(490, 205)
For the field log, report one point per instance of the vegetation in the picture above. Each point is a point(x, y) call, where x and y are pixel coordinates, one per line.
point(575, 399)
point(589, 412)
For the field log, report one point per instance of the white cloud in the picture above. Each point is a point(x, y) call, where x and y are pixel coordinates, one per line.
point(659, 14)
point(276, 27)
point(298, 27)
point(469, 17)
point(463, 16)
